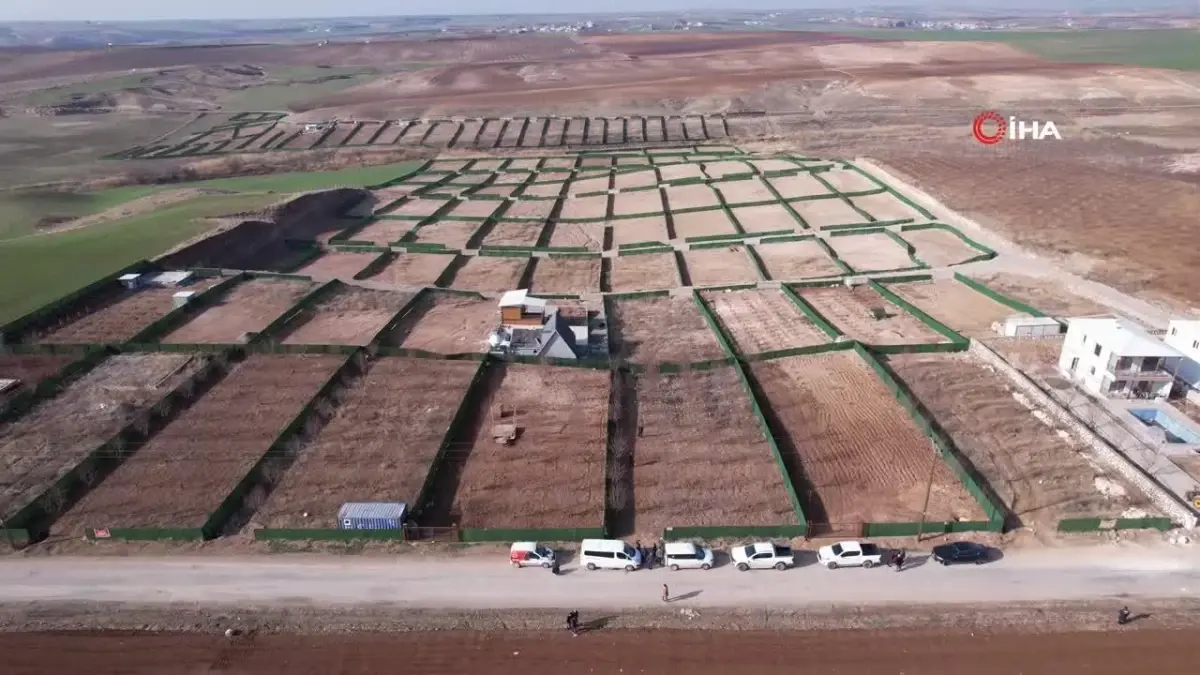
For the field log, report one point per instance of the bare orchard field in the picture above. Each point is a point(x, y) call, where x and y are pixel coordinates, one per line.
point(871, 252)
point(553, 473)
point(633, 179)
point(446, 324)
point(587, 235)
point(475, 208)
point(720, 266)
point(848, 180)
point(384, 232)
point(862, 457)
point(955, 304)
point(119, 317)
point(188, 468)
point(29, 370)
point(690, 196)
point(419, 207)
point(939, 248)
point(634, 230)
point(763, 321)
point(551, 189)
point(702, 223)
point(250, 307)
point(351, 317)
point(700, 457)
point(743, 191)
point(378, 446)
point(490, 273)
point(1036, 356)
point(337, 265)
point(514, 234)
point(765, 218)
point(1041, 474)
point(449, 233)
point(820, 213)
point(849, 309)
point(1043, 294)
point(793, 260)
point(413, 269)
point(566, 275)
point(649, 271)
point(639, 202)
point(798, 185)
point(886, 206)
point(53, 438)
point(661, 329)
point(584, 208)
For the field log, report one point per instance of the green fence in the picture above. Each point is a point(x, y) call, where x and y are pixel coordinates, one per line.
point(709, 532)
point(985, 253)
point(49, 313)
point(811, 312)
point(842, 345)
point(175, 318)
point(234, 500)
point(928, 527)
point(1109, 524)
point(469, 402)
point(309, 299)
point(998, 297)
point(935, 325)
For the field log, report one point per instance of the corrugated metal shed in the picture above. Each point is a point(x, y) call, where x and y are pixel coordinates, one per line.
point(372, 515)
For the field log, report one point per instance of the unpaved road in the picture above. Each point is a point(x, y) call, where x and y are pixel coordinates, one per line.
point(1075, 574)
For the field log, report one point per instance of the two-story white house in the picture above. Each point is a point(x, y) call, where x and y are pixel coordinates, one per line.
point(1118, 358)
point(1184, 335)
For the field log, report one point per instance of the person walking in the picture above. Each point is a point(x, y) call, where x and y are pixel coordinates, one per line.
point(900, 556)
point(1123, 616)
point(573, 622)
point(666, 594)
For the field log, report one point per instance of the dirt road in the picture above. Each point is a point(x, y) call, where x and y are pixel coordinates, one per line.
point(1074, 574)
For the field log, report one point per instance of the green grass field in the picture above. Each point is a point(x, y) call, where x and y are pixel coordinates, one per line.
point(314, 180)
point(111, 84)
point(1174, 49)
point(36, 270)
point(281, 96)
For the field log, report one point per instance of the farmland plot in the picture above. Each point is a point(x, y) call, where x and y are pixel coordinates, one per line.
point(120, 316)
point(28, 370)
point(53, 438)
point(583, 186)
point(529, 208)
point(718, 170)
point(413, 269)
point(548, 189)
point(697, 438)
point(955, 304)
point(720, 266)
point(566, 275)
point(849, 309)
point(673, 170)
point(886, 206)
point(691, 196)
point(558, 455)
point(636, 331)
point(820, 213)
point(650, 271)
point(634, 179)
point(250, 307)
point(490, 273)
point(585, 208)
point(384, 232)
point(418, 207)
point(861, 458)
point(796, 260)
point(635, 203)
point(744, 191)
point(848, 180)
point(336, 265)
point(352, 316)
point(1046, 295)
point(180, 477)
point(449, 233)
point(633, 230)
point(798, 185)
point(501, 191)
point(474, 208)
point(765, 218)
point(587, 235)
point(774, 164)
point(939, 248)
point(355, 457)
point(762, 321)
point(871, 252)
point(445, 324)
point(514, 234)
point(702, 224)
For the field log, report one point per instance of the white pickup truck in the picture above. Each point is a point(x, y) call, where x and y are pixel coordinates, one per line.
point(850, 554)
point(762, 555)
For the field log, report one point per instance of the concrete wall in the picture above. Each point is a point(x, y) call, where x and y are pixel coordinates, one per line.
point(1104, 453)
point(1185, 336)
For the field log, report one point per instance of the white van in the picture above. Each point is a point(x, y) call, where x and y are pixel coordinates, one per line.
point(609, 554)
point(684, 555)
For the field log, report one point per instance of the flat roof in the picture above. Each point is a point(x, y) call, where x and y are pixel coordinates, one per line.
point(1126, 338)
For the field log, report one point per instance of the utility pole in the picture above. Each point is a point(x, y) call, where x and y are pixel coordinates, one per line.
point(934, 457)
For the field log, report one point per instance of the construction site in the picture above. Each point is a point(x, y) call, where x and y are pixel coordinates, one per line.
point(555, 347)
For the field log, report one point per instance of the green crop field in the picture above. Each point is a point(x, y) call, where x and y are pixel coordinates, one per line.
point(281, 96)
point(109, 84)
point(1175, 49)
point(22, 210)
point(37, 269)
point(311, 180)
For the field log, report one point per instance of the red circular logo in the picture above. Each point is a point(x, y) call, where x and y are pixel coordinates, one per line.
point(977, 128)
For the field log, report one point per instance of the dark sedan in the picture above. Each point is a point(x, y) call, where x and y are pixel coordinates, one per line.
point(960, 552)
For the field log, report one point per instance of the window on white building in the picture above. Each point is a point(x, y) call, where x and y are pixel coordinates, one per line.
point(1093, 371)
point(1098, 349)
point(1195, 344)
point(1173, 330)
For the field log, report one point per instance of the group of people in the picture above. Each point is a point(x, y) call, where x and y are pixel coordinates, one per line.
point(650, 556)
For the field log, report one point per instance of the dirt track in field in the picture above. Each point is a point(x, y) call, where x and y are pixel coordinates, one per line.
point(606, 651)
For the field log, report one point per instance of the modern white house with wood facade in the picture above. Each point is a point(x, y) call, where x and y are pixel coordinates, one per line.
point(1119, 359)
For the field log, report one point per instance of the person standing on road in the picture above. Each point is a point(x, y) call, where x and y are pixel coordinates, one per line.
point(900, 556)
point(666, 594)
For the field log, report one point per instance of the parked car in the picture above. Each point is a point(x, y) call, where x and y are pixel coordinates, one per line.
point(684, 555)
point(762, 555)
point(850, 554)
point(961, 552)
point(525, 553)
point(610, 554)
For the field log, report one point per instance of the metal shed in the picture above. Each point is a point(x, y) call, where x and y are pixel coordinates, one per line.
point(372, 515)
point(1030, 326)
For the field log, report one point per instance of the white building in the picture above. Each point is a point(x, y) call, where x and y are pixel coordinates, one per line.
point(1184, 335)
point(1118, 358)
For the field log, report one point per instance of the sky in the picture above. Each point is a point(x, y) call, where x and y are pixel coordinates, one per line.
point(132, 10)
